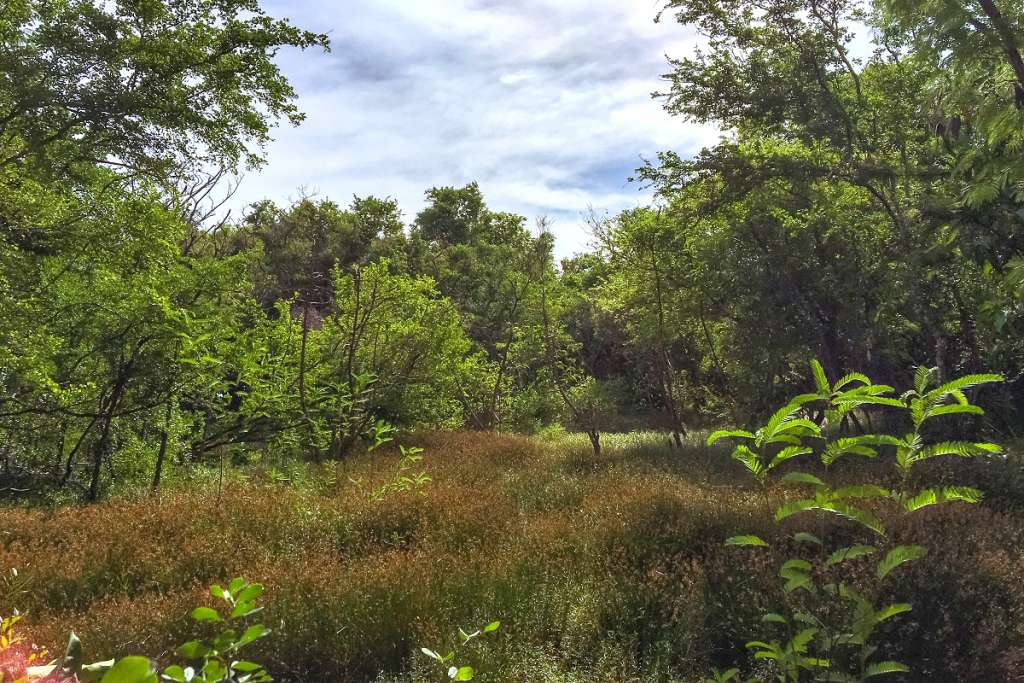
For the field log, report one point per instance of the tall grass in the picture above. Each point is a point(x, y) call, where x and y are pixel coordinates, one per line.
point(600, 569)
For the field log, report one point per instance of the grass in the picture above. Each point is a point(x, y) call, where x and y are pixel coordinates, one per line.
point(600, 569)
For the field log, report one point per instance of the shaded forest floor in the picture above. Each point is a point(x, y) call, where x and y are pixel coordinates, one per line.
point(607, 568)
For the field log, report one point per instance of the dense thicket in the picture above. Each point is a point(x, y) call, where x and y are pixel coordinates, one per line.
point(864, 206)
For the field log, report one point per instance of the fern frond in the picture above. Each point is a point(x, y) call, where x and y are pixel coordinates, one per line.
point(730, 434)
point(923, 377)
point(849, 553)
point(964, 382)
point(820, 378)
point(787, 453)
point(963, 449)
point(862, 517)
point(954, 408)
point(848, 378)
point(805, 537)
point(899, 555)
point(880, 668)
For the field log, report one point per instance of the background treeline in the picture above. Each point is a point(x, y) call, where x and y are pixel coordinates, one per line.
point(864, 207)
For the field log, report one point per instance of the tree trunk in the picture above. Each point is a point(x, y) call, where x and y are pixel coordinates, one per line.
point(595, 440)
point(162, 453)
point(100, 447)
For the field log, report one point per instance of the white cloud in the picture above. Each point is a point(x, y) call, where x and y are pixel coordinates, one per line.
point(546, 103)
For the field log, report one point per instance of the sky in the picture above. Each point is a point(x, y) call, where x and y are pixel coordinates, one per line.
point(545, 103)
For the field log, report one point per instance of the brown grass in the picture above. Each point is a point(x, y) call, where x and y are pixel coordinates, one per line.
point(607, 569)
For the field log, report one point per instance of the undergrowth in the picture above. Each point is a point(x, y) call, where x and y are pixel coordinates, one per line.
point(606, 568)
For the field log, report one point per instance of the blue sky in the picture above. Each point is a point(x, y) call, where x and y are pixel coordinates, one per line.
point(546, 103)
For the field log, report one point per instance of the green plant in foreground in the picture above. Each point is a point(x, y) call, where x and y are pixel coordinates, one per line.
point(447, 662)
point(216, 660)
point(817, 644)
point(219, 656)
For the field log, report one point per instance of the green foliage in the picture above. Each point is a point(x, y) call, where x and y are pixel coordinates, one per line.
point(447, 663)
point(215, 660)
point(817, 644)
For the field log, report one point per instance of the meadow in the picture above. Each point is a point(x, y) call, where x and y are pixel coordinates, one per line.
point(608, 568)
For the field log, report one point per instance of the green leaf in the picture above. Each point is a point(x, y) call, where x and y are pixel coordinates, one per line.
point(202, 614)
point(857, 515)
point(923, 377)
point(733, 434)
point(801, 640)
point(962, 383)
point(130, 670)
point(849, 553)
point(898, 556)
point(954, 409)
point(873, 400)
point(772, 617)
point(463, 673)
point(820, 378)
point(879, 668)
point(793, 507)
point(890, 611)
point(787, 412)
point(193, 649)
point(787, 453)
point(963, 449)
point(861, 491)
point(250, 593)
point(492, 627)
point(849, 378)
point(175, 673)
point(254, 632)
point(928, 497)
point(749, 460)
point(745, 540)
point(805, 537)
point(794, 567)
point(802, 478)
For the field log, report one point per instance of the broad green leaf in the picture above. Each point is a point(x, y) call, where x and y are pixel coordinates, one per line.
point(463, 673)
point(254, 632)
point(130, 670)
point(206, 614)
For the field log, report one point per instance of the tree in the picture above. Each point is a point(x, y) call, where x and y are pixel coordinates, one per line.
point(145, 87)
